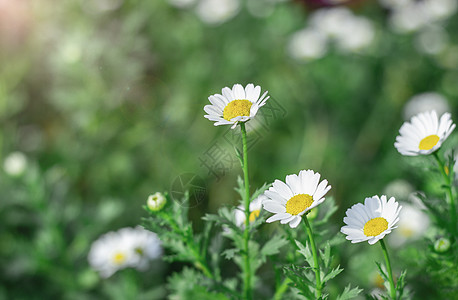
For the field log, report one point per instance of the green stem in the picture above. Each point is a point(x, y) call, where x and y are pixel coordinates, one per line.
point(281, 289)
point(388, 268)
point(316, 266)
point(448, 185)
point(246, 233)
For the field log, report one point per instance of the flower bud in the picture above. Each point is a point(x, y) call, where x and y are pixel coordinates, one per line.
point(442, 245)
point(156, 202)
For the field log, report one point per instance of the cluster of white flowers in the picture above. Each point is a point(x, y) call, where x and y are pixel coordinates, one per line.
point(127, 247)
point(338, 25)
point(213, 12)
point(412, 15)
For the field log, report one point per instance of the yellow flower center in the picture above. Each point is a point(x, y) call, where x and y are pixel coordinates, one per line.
point(119, 258)
point(254, 214)
point(298, 204)
point(375, 226)
point(237, 108)
point(429, 142)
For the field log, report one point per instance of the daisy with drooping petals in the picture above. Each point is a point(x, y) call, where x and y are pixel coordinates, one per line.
point(289, 201)
point(372, 220)
point(424, 134)
point(235, 105)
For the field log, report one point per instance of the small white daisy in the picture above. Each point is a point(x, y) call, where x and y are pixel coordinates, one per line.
point(111, 253)
point(145, 244)
point(372, 220)
point(255, 210)
point(289, 201)
point(127, 247)
point(412, 225)
point(235, 105)
point(424, 133)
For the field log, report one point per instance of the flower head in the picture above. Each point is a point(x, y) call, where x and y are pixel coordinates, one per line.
point(372, 220)
point(156, 202)
point(412, 225)
point(235, 105)
point(289, 201)
point(424, 134)
point(15, 164)
point(255, 210)
point(128, 247)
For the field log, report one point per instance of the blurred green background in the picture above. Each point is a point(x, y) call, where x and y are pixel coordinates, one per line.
point(104, 100)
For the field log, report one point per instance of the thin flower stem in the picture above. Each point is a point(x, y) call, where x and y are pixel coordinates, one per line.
point(388, 268)
point(316, 266)
point(448, 186)
point(246, 233)
point(282, 289)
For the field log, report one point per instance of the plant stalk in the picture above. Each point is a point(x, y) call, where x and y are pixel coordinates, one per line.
point(316, 266)
point(448, 185)
point(388, 268)
point(246, 233)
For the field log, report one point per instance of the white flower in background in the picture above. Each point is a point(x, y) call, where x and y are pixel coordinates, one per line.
point(371, 221)
point(156, 201)
point(15, 164)
point(127, 247)
point(331, 21)
point(412, 224)
point(357, 33)
point(235, 105)
point(307, 44)
point(215, 12)
point(289, 201)
point(182, 3)
point(255, 210)
point(414, 15)
point(339, 25)
point(424, 134)
point(425, 102)
point(400, 189)
point(432, 40)
point(145, 244)
point(442, 245)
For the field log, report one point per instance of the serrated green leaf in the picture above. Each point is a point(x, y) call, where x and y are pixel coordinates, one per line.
point(326, 254)
point(382, 273)
point(332, 274)
point(230, 253)
point(273, 246)
point(305, 251)
point(349, 293)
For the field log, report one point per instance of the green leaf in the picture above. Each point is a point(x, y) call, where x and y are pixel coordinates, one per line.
point(230, 253)
point(326, 254)
point(305, 251)
point(273, 246)
point(349, 293)
point(382, 273)
point(332, 274)
point(260, 191)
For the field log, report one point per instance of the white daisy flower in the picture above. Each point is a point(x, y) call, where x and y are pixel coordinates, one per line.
point(235, 105)
point(255, 210)
point(111, 253)
point(424, 133)
point(289, 201)
point(372, 220)
point(412, 225)
point(128, 247)
point(145, 244)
